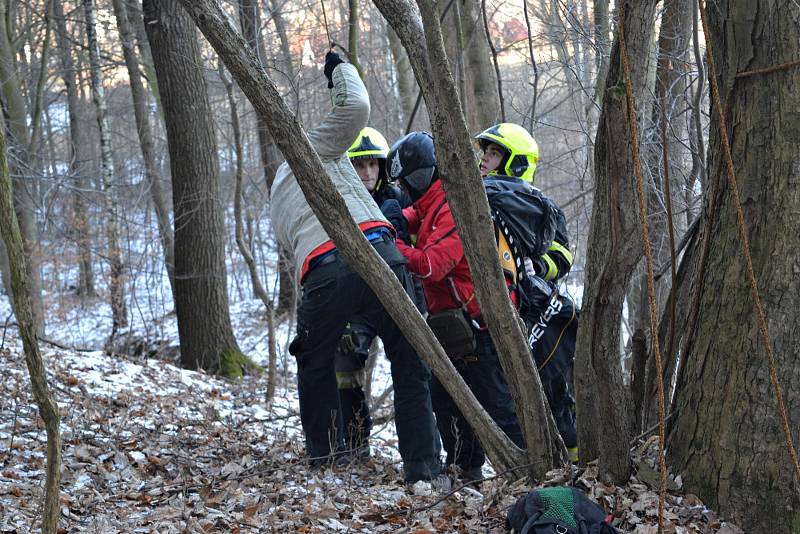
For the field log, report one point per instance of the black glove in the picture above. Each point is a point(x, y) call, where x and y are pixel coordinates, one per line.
point(394, 214)
point(331, 60)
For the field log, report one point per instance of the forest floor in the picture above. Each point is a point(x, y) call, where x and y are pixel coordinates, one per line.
point(149, 447)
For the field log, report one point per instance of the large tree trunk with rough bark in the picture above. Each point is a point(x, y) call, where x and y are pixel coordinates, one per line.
point(727, 440)
point(151, 172)
point(201, 293)
point(614, 249)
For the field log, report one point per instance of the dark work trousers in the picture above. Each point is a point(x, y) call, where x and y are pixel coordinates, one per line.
point(487, 381)
point(554, 354)
point(349, 362)
point(331, 294)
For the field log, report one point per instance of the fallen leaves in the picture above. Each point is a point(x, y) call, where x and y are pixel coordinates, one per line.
point(173, 452)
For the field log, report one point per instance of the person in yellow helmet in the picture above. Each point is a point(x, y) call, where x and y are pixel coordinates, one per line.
point(508, 163)
point(368, 156)
point(508, 152)
point(508, 149)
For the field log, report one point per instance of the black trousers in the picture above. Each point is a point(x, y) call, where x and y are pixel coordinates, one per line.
point(331, 294)
point(349, 363)
point(487, 381)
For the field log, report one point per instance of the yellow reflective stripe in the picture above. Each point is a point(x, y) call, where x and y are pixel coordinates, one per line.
point(552, 269)
point(561, 249)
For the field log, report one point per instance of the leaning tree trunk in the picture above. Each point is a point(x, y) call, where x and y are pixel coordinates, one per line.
point(119, 311)
point(151, 172)
point(16, 112)
point(77, 163)
point(23, 309)
point(727, 439)
point(201, 293)
point(467, 198)
point(614, 249)
point(332, 212)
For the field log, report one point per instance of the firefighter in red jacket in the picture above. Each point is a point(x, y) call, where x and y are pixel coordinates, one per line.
point(438, 260)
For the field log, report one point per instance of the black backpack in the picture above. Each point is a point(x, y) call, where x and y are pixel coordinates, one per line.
point(558, 510)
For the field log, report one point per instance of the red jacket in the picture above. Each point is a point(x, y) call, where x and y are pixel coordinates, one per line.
point(438, 258)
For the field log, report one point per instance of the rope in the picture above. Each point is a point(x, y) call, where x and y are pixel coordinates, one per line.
point(651, 294)
point(769, 70)
point(760, 314)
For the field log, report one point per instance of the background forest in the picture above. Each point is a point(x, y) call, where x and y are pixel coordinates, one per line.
point(137, 246)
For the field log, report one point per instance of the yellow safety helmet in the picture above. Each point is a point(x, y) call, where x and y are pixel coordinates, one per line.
point(369, 144)
point(522, 152)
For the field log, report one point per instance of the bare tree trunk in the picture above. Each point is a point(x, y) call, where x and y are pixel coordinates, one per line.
point(484, 104)
point(119, 310)
point(26, 319)
point(405, 78)
point(134, 10)
point(201, 293)
point(673, 44)
point(24, 205)
point(727, 439)
point(77, 170)
point(244, 248)
point(152, 175)
point(283, 36)
point(353, 33)
point(614, 249)
point(601, 31)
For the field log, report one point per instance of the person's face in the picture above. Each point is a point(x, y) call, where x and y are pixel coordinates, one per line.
point(368, 170)
point(491, 158)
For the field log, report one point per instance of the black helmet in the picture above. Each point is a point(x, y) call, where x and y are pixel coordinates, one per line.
point(412, 161)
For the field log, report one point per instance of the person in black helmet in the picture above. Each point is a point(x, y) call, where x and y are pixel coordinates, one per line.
point(438, 260)
point(331, 292)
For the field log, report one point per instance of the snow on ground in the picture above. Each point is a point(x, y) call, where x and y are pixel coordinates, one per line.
point(150, 447)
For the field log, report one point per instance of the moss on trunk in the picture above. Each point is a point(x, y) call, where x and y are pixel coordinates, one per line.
point(234, 363)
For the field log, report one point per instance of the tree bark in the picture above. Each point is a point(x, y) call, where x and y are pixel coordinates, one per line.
point(201, 296)
point(614, 249)
point(332, 212)
point(483, 102)
point(405, 78)
point(119, 310)
point(26, 319)
point(24, 205)
point(467, 199)
point(78, 157)
point(727, 440)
